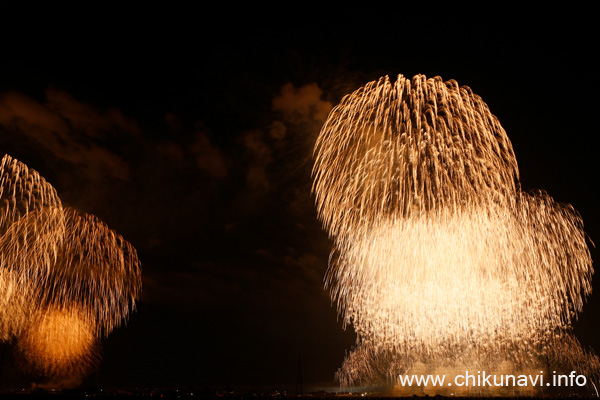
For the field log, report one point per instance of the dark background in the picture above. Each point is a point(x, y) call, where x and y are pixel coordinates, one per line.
point(175, 126)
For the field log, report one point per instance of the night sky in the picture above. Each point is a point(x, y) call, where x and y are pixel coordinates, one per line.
point(190, 133)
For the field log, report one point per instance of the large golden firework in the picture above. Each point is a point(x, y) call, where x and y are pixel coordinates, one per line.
point(436, 245)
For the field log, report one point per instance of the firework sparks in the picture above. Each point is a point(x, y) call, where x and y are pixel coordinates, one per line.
point(95, 268)
point(436, 245)
point(15, 304)
point(66, 279)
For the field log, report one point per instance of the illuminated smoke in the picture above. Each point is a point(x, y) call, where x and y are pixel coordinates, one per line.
point(436, 246)
point(66, 279)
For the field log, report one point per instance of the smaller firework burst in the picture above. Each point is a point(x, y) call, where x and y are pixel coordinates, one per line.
point(66, 279)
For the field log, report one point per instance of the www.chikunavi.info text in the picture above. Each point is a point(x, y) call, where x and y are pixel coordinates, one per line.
point(482, 379)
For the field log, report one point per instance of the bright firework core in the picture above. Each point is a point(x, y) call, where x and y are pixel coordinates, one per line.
point(440, 258)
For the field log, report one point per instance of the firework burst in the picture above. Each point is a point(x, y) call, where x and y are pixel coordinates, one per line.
point(66, 279)
point(435, 244)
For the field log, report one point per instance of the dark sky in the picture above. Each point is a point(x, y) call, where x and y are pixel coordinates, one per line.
point(190, 133)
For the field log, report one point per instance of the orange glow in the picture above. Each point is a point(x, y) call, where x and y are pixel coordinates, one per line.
point(59, 341)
